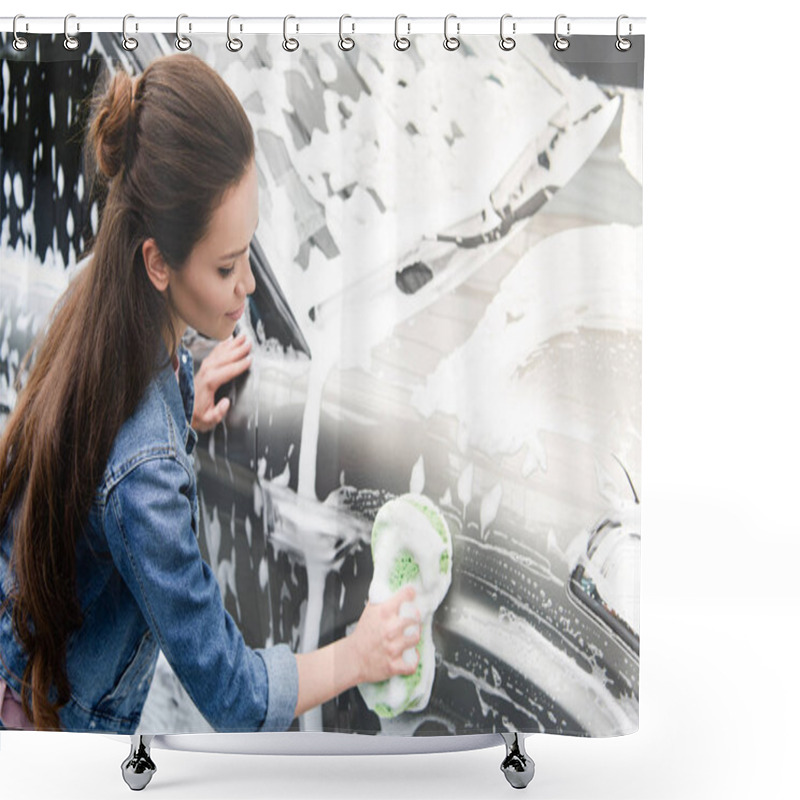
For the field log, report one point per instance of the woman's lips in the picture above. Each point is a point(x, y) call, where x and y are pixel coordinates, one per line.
point(236, 314)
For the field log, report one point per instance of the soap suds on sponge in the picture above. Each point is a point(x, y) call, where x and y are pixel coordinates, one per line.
point(411, 544)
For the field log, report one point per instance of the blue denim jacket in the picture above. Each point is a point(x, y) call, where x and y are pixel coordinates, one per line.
point(143, 585)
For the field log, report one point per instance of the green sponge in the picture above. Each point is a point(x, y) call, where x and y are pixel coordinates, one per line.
point(411, 543)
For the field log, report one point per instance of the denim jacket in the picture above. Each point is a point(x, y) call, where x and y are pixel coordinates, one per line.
point(143, 585)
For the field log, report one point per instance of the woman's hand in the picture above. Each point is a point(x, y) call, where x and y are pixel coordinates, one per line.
point(228, 359)
point(372, 652)
point(379, 639)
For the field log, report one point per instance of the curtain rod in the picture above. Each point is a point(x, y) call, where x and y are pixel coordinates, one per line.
point(513, 26)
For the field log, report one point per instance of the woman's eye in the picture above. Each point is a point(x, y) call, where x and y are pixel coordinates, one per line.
point(225, 271)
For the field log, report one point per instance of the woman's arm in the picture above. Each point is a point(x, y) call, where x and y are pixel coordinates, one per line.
point(324, 674)
point(149, 528)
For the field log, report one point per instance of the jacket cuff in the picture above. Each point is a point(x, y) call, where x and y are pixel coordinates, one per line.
point(282, 686)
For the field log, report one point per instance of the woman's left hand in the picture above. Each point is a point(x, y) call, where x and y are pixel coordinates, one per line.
point(228, 359)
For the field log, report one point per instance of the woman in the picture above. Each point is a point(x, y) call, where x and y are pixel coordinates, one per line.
point(99, 562)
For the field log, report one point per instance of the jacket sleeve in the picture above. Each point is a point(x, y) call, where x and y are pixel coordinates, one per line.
point(148, 523)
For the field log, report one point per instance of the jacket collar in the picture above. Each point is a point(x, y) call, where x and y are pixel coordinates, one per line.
point(179, 397)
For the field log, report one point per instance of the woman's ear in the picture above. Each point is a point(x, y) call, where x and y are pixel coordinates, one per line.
point(157, 269)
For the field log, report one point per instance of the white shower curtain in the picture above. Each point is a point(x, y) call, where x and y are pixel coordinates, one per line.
point(447, 315)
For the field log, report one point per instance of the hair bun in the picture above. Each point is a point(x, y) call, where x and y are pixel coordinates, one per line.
point(113, 111)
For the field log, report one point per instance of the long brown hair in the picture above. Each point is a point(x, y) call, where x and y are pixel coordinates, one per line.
point(164, 147)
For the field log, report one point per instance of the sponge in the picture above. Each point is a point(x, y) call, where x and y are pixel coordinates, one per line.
point(411, 543)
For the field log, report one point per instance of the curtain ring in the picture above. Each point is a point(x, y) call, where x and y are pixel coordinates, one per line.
point(19, 42)
point(561, 43)
point(623, 44)
point(128, 42)
point(401, 42)
point(182, 42)
point(345, 42)
point(507, 42)
point(70, 42)
point(234, 45)
point(290, 45)
point(448, 40)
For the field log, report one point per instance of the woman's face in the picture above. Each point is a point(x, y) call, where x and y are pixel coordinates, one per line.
point(210, 292)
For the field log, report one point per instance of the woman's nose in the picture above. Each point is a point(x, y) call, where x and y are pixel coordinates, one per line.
point(247, 283)
point(251, 279)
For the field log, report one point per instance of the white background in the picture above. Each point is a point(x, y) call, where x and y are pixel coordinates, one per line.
point(720, 600)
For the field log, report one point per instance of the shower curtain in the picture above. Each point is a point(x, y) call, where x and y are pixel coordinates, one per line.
point(446, 383)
